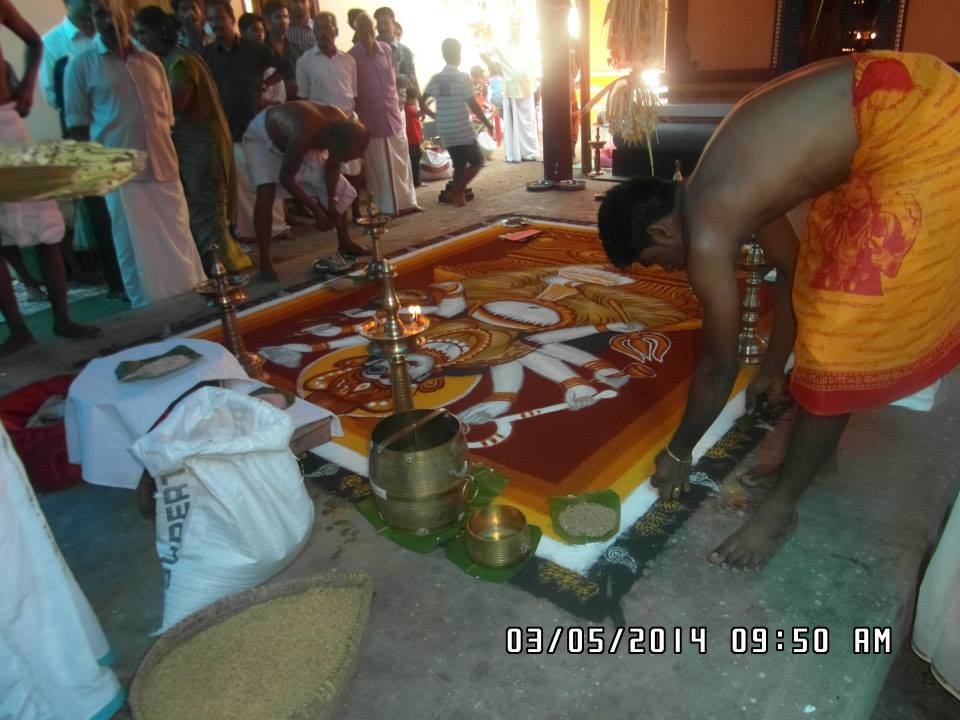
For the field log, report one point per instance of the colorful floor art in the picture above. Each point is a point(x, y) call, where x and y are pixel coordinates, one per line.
point(569, 374)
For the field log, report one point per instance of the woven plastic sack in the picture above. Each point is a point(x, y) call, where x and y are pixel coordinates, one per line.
point(232, 510)
point(435, 165)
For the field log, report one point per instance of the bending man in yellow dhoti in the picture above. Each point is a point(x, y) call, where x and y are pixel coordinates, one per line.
point(874, 140)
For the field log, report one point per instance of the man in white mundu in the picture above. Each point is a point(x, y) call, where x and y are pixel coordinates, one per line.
point(387, 159)
point(119, 96)
point(520, 136)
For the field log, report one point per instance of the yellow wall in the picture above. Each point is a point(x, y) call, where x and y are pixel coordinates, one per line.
point(42, 122)
point(933, 26)
point(731, 34)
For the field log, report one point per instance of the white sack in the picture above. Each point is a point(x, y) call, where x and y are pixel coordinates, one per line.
point(231, 506)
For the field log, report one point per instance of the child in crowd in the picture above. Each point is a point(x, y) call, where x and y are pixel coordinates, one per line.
point(253, 29)
point(496, 87)
point(481, 86)
point(453, 91)
point(411, 109)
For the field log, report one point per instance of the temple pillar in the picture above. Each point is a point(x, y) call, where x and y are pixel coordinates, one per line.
point(555, 90)
point(583, 52)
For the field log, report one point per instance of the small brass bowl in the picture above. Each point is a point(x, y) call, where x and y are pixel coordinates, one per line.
point(497, 536)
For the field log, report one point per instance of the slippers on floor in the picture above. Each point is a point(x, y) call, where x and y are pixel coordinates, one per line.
point(334, 265)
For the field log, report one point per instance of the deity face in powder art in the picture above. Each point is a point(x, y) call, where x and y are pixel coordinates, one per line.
point(520, 314)
point(378, 370)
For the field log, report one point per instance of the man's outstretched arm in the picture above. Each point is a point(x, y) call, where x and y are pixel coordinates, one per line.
point(292, 161)
point(712, 274)
point(711, 268)
point(779, 243)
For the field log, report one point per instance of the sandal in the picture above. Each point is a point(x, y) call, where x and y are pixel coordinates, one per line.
point(335, 264)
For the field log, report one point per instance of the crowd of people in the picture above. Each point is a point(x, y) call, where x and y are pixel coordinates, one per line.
point(245, 122)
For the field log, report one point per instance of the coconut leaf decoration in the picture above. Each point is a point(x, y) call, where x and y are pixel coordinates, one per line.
point(635, 32)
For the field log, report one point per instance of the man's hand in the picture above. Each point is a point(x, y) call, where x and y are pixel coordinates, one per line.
point(24, 100)
point(671, 478)
point(765, 386)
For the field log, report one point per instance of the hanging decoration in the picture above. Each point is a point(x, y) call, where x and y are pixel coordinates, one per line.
point(636, 35)
point(635, 32)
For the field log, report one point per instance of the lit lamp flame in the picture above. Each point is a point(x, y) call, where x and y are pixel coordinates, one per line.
point(414, 312)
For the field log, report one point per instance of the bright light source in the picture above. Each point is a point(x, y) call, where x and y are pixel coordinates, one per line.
point(873, 36)
point(248, 6)
point(651, 77)
point(573, 22)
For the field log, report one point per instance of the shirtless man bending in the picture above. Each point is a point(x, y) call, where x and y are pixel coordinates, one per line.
point(874, 141)
point(30, 224)
point(284, 144)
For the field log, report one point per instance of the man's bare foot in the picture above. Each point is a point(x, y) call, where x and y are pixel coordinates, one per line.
point(15, 342)
point(762, 476)
point(268, 274)
point(71, 329)
point(457, 198)
point(750, 547)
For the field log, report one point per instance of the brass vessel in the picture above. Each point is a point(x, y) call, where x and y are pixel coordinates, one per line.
point(498, 536)
point(420, 470)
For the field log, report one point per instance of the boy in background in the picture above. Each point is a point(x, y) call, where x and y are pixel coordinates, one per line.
point(411, 109)
point(453, 91)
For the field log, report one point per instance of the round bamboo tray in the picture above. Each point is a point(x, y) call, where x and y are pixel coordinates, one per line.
point(330, 690)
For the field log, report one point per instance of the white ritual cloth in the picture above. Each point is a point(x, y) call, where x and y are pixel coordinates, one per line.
point(52, 649)
point(104, 417)
point(936, 628)
point(302, 412)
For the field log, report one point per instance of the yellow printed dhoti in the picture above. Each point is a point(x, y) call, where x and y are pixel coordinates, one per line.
point(877, 283)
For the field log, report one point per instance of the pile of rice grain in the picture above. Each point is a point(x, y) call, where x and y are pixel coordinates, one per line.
point(587, 520)
point(268, 661)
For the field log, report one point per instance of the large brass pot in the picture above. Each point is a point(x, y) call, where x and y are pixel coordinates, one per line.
point(420, 470)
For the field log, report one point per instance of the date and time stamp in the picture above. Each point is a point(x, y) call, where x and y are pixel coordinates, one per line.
point(655, 640)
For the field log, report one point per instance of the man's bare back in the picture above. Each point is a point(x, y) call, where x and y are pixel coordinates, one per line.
point(301, 119)
point(792, 140)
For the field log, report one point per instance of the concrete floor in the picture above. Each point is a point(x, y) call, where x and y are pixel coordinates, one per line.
point(436, 642)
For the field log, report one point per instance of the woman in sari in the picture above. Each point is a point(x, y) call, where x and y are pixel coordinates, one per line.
point(201, 138)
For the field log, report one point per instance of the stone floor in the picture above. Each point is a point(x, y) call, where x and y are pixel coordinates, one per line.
point(436, 641)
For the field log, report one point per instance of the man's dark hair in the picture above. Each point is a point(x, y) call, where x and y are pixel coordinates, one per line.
point(156, 19)
point(352, 15)
point(384, 11)
point(344, 134)
point(273, 6)
point(227, 7)
point(248, 20)
point(324, 13)
point(627, 211)
point(450, 47)
point(397, 27)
